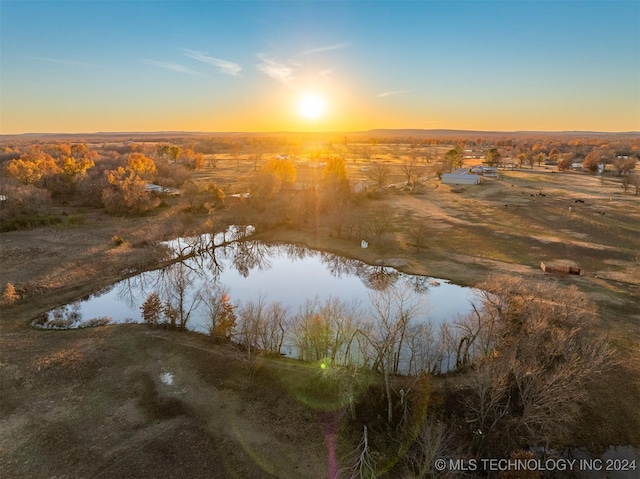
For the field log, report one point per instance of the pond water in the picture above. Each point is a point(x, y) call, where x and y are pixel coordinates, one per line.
point(251, 271)
point(284, 273)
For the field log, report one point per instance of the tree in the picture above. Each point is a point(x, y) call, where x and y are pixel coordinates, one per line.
point(592, 161)
point(624, 166)
point(492, 157)
point(379, 224)
point(379, 173)
point(335, 170)
point(222, 316)
point(171, 152)
point(534, 352)
point(126, 193)
point(182, 294)
point(32, 167)
point(564, 164)
point(411, 167)
point(635, 181)
point(418, 234)
point(539, 158)
point(141, 165)
point(392, 311)
point(152, 309)
point(454, 157)
point(216, 197)
point(325, 331)
point(9, 295)
point(284, 170)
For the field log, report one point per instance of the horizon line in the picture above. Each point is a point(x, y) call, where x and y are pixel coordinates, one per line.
point(322, 132)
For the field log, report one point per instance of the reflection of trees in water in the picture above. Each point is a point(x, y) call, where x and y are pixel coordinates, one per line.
point(249, 255)
point(377, 278)
point(130, 290)
point(293, 251)
point(339, 266)
point(182, 292)
point(419, 284)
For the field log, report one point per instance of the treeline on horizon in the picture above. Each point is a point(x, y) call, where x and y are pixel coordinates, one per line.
point(381, 135)
point(208, 143)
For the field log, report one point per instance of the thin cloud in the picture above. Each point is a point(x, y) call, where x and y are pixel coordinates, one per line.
point(393, 92)
point(337, 46)
point(226, 67)
point(326, 72)
point(171, 66)
point(277, 70)
point(64, 62)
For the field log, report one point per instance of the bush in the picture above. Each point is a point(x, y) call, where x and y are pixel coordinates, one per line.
point(9, 295)
point(117, 240)
point(27, 221)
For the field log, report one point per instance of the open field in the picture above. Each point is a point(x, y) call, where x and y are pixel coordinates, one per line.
point(95, 403)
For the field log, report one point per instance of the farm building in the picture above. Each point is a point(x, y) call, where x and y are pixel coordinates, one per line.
point(483, 170)
point(460, 177)
point(560, 266)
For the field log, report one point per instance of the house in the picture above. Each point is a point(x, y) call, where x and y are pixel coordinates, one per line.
point(151, 188)
point(489, 171)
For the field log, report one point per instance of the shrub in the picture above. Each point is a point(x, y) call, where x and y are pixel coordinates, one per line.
point(27, 221)
point(117, 240)
point(9, 296)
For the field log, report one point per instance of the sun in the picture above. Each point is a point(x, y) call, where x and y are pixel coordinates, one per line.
point(311, 106)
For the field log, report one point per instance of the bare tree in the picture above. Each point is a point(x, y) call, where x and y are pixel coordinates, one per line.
point(363, 460)
point(535, 352)
point(379, 173)
point(379, 224)
point(251, 316)
point(182, 293)
point(432, 443)
point(222, 319)
point(418, 233)
point(327, 331)
point(411, 167)
point(392, 311)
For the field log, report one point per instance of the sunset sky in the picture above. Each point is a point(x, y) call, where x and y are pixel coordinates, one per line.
point(245, 66)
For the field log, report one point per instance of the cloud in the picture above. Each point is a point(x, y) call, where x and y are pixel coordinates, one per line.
point(393, 92)
point(171, 66)
point(327, 72)
point(337, 46)
point(64, 62)
point(280, 71)
point(226, 67)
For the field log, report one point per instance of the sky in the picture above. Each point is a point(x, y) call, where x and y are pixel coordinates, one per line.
point(222, 66)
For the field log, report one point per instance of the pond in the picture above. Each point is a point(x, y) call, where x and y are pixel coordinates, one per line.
point(250, 271)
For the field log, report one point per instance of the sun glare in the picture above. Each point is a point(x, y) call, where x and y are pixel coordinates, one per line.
point(311, 106)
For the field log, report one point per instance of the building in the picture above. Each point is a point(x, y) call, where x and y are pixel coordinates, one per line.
point(461, 177)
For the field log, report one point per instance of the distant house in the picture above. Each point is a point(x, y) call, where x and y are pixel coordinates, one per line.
point(151, 188)
point(489, 171)
point(473, 154)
